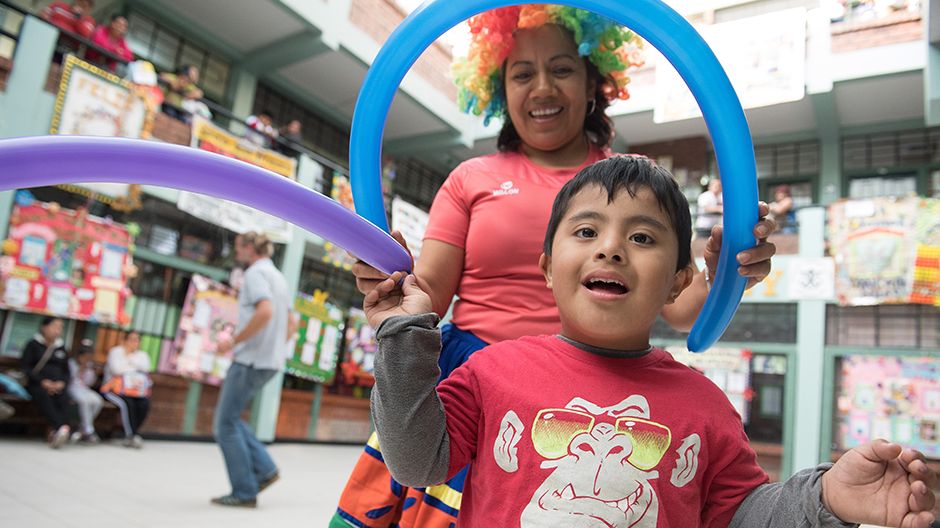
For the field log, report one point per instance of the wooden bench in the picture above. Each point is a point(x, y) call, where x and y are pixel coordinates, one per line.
point(29, 421)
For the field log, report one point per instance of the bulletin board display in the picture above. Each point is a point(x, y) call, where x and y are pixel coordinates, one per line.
point(895, 398)
point(319, 336)
point(66, 263)
point(209, 315)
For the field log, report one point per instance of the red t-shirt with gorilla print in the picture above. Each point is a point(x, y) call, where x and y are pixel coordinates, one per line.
point(557, 436)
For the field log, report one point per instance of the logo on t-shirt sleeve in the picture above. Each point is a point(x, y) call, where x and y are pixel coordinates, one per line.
point(506, 189)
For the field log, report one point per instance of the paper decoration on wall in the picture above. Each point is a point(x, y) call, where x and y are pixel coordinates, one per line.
point(359, 351)
point(66, 263)
point(210, 314)
point(412, 222)
point(230, 215)
point(342, 193)
point(319, 334)
point(728, 368)
point(887, 250)
point(897, 398)
point(926, 284)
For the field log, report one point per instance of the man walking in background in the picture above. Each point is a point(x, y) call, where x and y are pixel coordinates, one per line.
point(263, 305)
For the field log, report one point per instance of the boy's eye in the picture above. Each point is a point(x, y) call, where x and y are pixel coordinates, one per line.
point(641, 238)
point(585, 232)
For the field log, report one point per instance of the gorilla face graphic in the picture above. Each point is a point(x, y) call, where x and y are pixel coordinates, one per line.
point(603, 460)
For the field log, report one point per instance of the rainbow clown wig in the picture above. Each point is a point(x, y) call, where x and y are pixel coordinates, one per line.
point(610, 47)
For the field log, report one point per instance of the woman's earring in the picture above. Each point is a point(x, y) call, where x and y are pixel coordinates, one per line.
point(592, 107)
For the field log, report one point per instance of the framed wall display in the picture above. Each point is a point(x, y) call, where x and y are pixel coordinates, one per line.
point(210, 313)
point(66, 263)
point(897, 398)
point(316, 351)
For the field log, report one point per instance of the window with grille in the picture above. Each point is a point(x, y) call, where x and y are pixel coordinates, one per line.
point(167, 50)
point(889, 325)
point(753, 322)
point(891, 149)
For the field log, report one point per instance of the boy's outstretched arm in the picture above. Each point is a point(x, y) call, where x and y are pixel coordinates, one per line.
point(877, 483)
point(409, 417)
point(881, 483)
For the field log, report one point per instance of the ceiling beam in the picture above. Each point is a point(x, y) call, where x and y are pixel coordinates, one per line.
point(432, 142)
point(289, 50)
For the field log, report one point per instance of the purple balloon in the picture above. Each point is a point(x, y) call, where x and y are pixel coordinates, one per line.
point(52, 160)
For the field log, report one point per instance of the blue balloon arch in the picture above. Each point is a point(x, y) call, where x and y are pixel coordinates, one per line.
point(662, 27)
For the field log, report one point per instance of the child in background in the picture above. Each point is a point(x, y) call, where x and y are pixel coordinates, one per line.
point(88, 401)
point(595, 427)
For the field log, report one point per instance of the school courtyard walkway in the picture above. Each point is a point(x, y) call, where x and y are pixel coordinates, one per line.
point(164, 485)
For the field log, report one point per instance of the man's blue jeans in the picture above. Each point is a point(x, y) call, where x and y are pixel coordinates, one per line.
point(246, 458)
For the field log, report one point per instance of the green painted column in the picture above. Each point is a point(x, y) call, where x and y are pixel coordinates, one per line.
point(804, 448)
point(242, 95)
point(830, 139)
point(267, 404)
point(932, 68)
point(26, 108)
point(191, 412)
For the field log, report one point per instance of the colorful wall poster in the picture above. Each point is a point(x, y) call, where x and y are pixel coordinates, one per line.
point(66, 263)
point(231, 215)
point(873, 244)
point(210, 314)
point(342, 193)
point(728, 368)
point(94, 102)
point(319, 335)
point(208, 136)
point(359, 351)
point(412, 222)
point(925, 288)
point(896, 398)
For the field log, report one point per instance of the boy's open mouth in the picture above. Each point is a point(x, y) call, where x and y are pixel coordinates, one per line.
point(608, 286)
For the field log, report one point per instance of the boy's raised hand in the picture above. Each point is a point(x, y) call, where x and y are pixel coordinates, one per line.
point(881, 483)
point(389, 299)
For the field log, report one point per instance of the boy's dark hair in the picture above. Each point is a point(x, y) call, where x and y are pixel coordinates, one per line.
point(629, 173)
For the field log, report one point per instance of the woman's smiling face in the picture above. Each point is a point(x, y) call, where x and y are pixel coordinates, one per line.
point(547, 89)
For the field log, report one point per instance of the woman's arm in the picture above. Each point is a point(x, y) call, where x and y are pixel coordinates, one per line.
point(438, 272)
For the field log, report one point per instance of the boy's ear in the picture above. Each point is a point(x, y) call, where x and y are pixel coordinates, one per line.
point(680, 282)
point(545, 264)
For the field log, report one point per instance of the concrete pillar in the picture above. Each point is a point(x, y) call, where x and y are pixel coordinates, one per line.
point(25, 102)
point(810, 355)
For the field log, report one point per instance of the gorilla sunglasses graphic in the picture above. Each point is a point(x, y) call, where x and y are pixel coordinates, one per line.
point(603, 461)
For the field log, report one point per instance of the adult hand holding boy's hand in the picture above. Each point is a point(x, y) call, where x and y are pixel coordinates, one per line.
point(389, 299)
point(881, 483)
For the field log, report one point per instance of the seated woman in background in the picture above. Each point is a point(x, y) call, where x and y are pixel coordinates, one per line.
point(46, 364)
point(127, 385)
point(83, 377)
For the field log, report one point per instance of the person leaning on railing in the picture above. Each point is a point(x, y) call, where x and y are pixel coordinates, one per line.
point(110, 38)
point(178, 88)
point(74, 18)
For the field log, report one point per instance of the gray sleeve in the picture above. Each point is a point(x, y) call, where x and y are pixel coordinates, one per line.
point(408, 414)
point(796, 503)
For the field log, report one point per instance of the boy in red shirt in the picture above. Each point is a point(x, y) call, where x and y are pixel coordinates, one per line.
point(594, 427)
